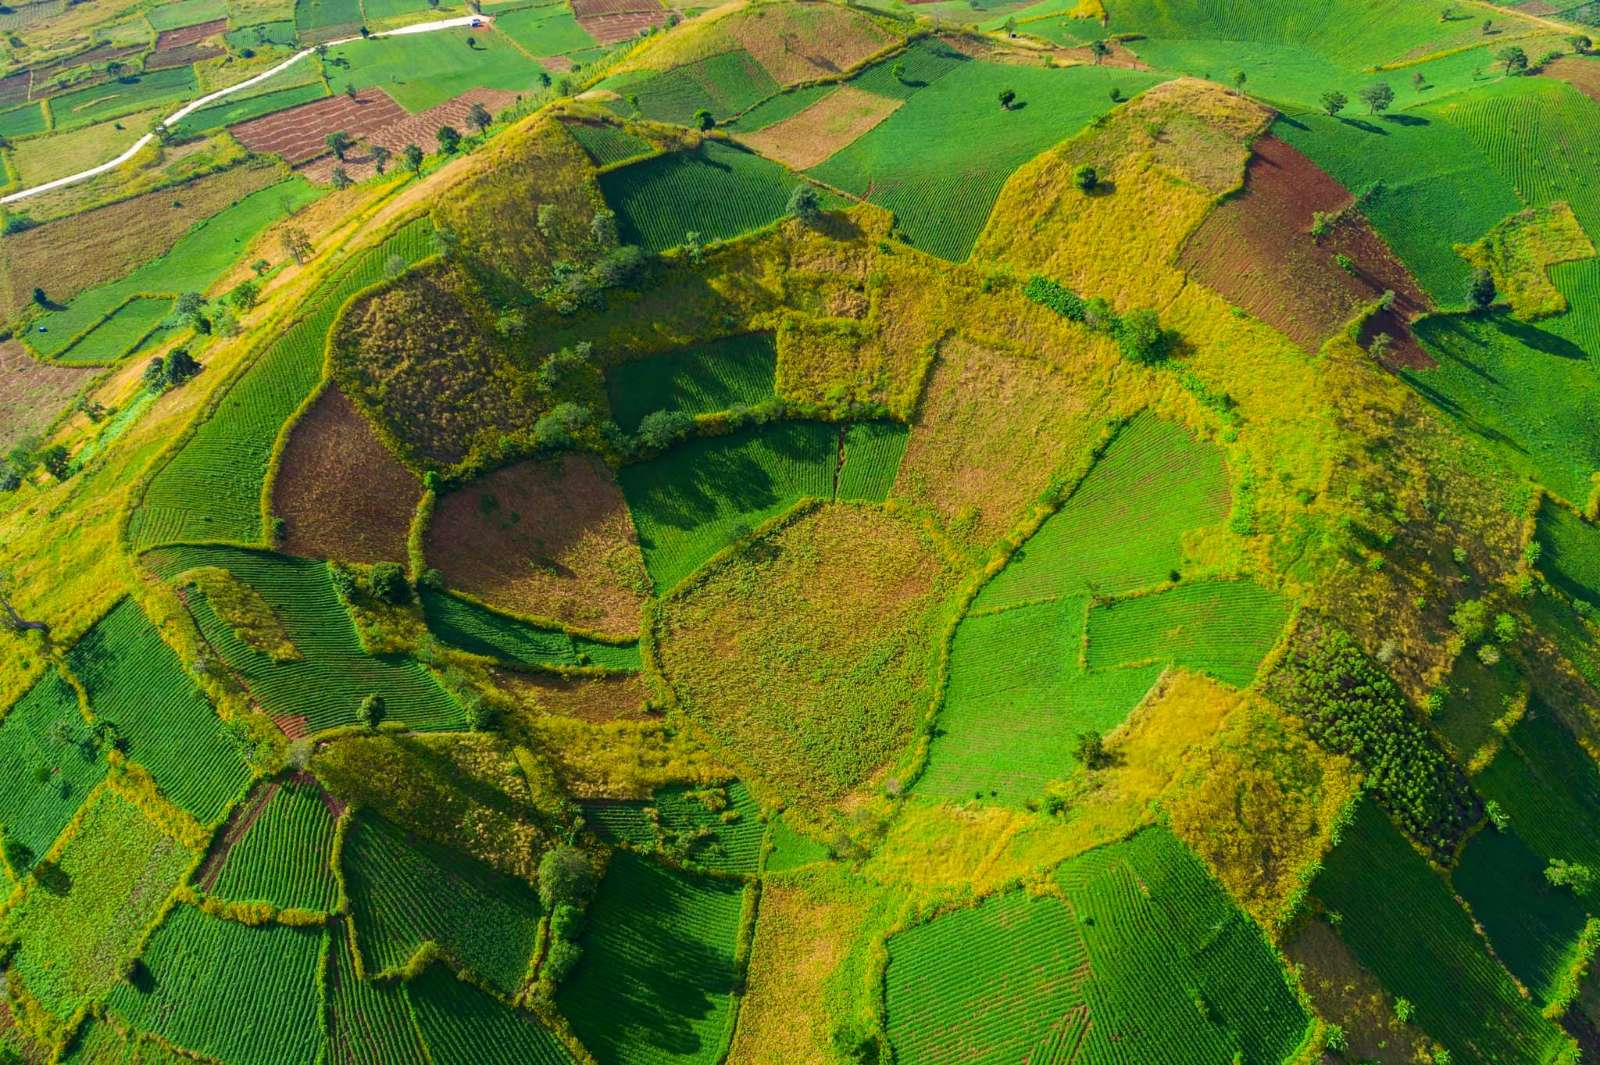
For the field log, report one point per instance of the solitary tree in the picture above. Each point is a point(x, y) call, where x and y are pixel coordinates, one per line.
point(1575, 875)
point(380, 157)
point(899, 72)
point(1086, 178)
point(1100, 49)
point(566, 878)
point(388, 584)
point(1513, 59)
point(372, 711)
point(1580, 44)
point(191, 307)
point(805, 204)
point(1481, 290)
point(1488, 26)
point(413, 158)
point(1007, 98)
point(57, 461)
point(1377, 96)
point(339, 142)
point(449, 139)
point(1238, 80)
point(1419, 81)
point(1334, 101)
point(480, 117)
point(1139, 336)
point(297, 244)
point(340, 178)
point(703, 119)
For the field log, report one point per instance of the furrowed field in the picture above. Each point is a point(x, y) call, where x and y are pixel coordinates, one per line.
point(279, 851)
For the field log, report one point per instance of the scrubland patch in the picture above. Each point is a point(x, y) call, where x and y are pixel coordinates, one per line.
point(1519, 252)
point(798, 42)
point(548, 539)
point(807, 653)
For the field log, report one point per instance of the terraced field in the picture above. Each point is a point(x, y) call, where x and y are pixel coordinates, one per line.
point(278, 850)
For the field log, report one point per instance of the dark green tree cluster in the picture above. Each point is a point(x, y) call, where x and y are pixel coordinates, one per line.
point(566, 883)
point(1352, 707)
point(160, 373)
point(1138, 333)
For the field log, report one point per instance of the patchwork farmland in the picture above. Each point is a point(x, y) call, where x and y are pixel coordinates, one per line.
point(620, 532)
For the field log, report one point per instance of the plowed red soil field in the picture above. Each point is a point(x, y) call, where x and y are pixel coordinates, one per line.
point(623, 25)
point(420, 129)
point(169, 39)
point(1256, 249)
point(300, 133)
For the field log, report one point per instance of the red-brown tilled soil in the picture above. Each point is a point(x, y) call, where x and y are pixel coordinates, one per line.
point(169, 39)
point(340, 492)
point(14, 90)
point(1256, 249)
point(610, 29)
point(300, 133)
point(182, 56)
point(420, 129)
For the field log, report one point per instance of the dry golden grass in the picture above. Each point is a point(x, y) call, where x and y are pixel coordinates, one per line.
point(592, 699)
point(804, 931)
point(1519, 252)
point(551, 540)
point(1258, 806)
point(339, 491)
point(807, 653)
point(990, 433)
point(68, 256)
point(622, 759)
point(801, 41)
point(244, 611)
point(836, 120)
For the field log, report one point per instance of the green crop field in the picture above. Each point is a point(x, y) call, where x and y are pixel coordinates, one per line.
point(1010, 721)
point(193, 264)
point(658, 957)
point(232, 110)
point(608, 144)
point(718, 829)
point(544, 31)
point(464, 1026)
point(111, 882)
point(1570, 553)
point(285, 856)
point(736, 372)
point(137, 684)
point(841, 649)
point(916, 162)
point(724, 84)
point(1532, 925)
point(955, 990)
point(471, 627)
point(122, 96)
point(717, 191)
point(1409, 931)
point(1221, 628)
point(405, 892)
point(50, 761)
point(693, 500)
point(1122, 528)
point(264, 980)
point(324, 687)
point(368, 1023)
point(211, 489)
point(424, 70)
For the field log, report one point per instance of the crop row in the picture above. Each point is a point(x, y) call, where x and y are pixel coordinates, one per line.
point(286, 855)
point(137, 684)
point(49, 762)
point(482, 631)
point(732, 372)
point(211, 489)
point(326, 685)
point(719, 828)
point(405, 892)
point(1222, 628)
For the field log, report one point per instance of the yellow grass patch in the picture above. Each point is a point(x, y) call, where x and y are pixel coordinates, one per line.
point(799, 42)
point(245, 612)
point(593, 699)
point(833, 122)
point(805, 930)
point(1258, 806)
point(1519, 252)
point(990, 432)
point(622, 759)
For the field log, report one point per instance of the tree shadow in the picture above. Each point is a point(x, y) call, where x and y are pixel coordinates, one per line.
point(1407, 120)
point(1363, 125)
point(1539, 340)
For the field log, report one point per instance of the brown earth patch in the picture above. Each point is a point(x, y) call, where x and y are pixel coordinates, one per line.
point(546, 540)
point(1581, 72)
point(32, 393)
point(612, 29)
point(339, 491)
point(169, 39)
point(798, 42)
point(182, 56)
point(300, 133)
point(592, 8)
point(1347, 994)
point(98, 54)
point(990, 432)
point(1256, 249)
point(833, 122)
point(556, 64)
point(14, 88)
point(594, 699)
point(420, 129)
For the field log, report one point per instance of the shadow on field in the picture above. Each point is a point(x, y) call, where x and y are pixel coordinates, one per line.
point(1407, 120)
point(1363, 125)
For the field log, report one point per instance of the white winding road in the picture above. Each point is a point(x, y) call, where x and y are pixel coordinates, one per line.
point(211, 98)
